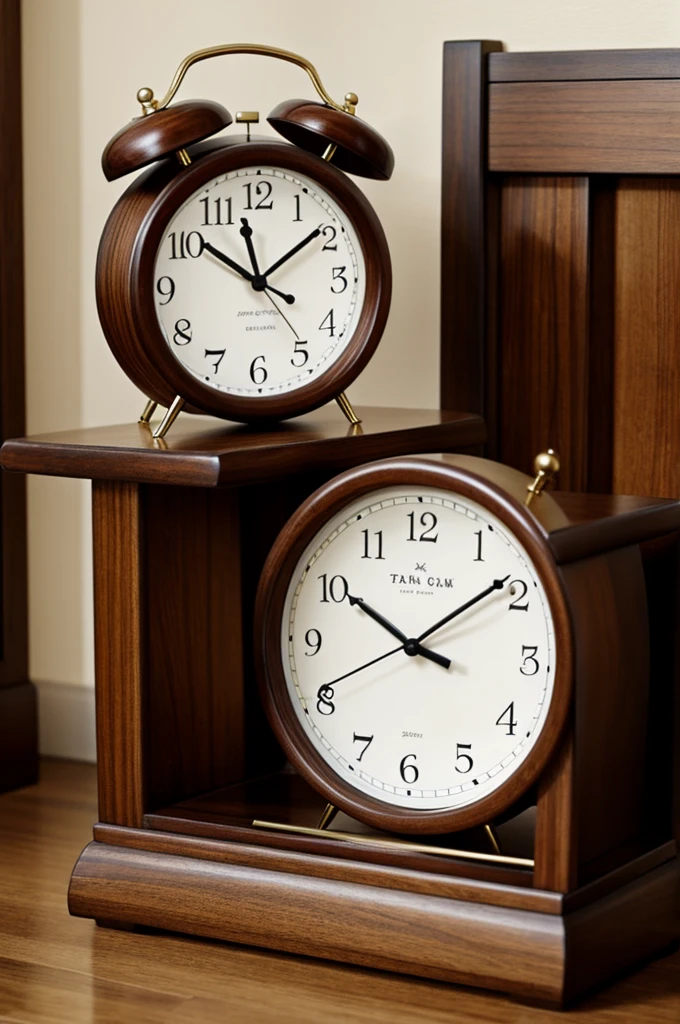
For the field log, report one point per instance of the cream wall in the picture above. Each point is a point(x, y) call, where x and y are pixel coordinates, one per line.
point(83, 63)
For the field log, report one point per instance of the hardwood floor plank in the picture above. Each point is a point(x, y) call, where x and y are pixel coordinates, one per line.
point(55, 969)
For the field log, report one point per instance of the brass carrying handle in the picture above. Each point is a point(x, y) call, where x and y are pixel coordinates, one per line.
point(150, 105)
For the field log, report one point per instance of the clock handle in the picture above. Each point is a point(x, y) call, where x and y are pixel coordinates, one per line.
point(150, 105)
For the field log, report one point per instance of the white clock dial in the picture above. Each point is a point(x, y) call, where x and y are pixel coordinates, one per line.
point(434, 730)
point(259, 282)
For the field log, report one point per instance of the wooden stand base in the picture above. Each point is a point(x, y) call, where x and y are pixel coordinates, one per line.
point(530, 943)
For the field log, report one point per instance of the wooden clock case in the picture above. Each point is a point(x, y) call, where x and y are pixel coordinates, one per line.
point(185, 758)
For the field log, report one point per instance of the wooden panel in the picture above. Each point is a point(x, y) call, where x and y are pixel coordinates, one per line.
point(18, 736)
point(544, 324)
point(512, 950)
point(555, 853)
point(119, 651)
point(612, 695)
point(593, 65)
point(469, 231)
point(647, 356)
point(585, 127)
point(199, 453)
point(18, 742)
point(195, 683)
point(441, 878)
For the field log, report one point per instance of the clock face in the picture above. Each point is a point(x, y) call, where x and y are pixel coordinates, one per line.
point(259, 282)
point(418, 648)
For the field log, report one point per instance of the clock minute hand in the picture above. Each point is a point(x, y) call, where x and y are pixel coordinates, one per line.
point(291, 252)
point(411, 646)
point(496, 585)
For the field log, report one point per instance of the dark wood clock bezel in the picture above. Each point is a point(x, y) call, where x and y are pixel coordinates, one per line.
point(135, 334)
point(276, 576)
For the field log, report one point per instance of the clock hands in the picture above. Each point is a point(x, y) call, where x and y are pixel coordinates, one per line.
point(291, 252)
point(496, 585)
point(259, 283)
point(247, 233)
point(410, 645)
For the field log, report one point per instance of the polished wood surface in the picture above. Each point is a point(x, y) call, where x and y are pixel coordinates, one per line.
point(120, 650)
point(154, 136)
point(18, 742)
point(204, 452)
point(647, 412)
point(591, 65)
point(542, 376)
point(314, 126)
point(580, 127)
point(57, 969)
point(469, 236)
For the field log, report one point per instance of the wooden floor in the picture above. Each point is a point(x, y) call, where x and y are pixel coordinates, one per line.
point(55, 969)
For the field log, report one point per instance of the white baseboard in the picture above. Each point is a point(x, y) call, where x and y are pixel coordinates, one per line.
point(66, 725)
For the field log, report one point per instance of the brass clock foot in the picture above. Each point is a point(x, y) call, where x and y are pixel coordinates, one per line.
point(329, 813)
point(149, 410)
point(169, 418)
point(346, 406)
point(493, 838)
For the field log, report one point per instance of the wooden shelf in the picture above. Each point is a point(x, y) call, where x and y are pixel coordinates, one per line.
point(201, 451)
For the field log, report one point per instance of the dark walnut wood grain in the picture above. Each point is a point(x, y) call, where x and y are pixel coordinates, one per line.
point(314, 126)
point(202, 452)
point(588, 65)
point(125, 280)
point(543, 324)
point(527, 953)
point(154, 136)
point(469, 235)
point(585, 127)
point(18, 742)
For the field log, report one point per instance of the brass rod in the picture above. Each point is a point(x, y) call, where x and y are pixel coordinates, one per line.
point(149, 410)
point(169, 418)
point(399, 844)
point(329, 152)
point(346, 406)
point(183, 157)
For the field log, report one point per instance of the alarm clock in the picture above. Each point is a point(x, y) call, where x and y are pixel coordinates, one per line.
point(244, 277)
point(416, 655)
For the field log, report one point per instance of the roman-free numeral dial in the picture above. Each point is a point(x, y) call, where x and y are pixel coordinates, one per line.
point(259, 282)
point(418, 648)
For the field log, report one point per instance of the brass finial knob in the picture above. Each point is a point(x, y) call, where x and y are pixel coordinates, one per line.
point(546, 466)
point(145, 97)
point(351, 100)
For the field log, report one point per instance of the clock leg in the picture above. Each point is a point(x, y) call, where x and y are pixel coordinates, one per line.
point(493, 838)
point(149, 410)
point(329, 813)
point(169, 418)
point(346, 406)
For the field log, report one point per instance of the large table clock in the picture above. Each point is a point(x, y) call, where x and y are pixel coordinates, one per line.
point(459, 761)
point(246, 277)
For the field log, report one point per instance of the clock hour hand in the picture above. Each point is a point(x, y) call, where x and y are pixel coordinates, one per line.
point(258, 283)
point(247, 233)
point(291, 252)
point(496, 585)
point(411, 646)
